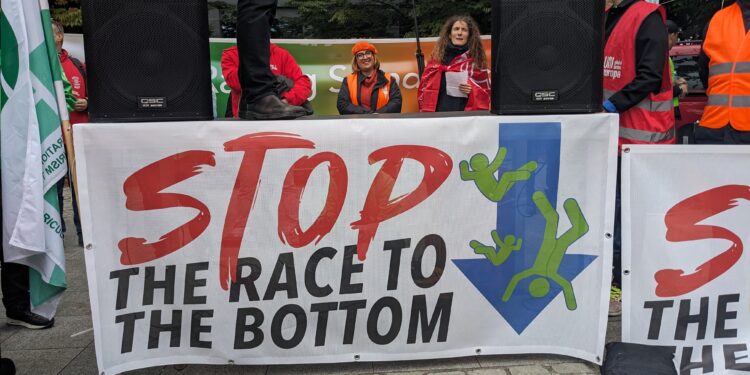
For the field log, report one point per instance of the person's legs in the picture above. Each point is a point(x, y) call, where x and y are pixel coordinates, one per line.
point(14, 282)
point(737, 137)
point(708, 136)
point(258, 101)
point(254, 46)
point(615, 298)
point(15, 285)
point(60, 185)
point(617, 237)
point(76, 217)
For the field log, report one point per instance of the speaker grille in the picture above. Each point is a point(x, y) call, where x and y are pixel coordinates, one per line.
point(147, 49)
point(547, 46)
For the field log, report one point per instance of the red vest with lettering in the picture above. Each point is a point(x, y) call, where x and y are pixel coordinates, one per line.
point(727, 46)
point(651, 120)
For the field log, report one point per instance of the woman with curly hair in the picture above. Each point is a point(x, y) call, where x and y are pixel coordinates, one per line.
point(458, 53)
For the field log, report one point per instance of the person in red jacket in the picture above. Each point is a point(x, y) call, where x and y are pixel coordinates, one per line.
point(75, 71)
point(458, 53)
point(292, 86)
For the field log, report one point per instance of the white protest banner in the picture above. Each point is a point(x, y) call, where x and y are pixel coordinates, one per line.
point(370, 239)
point(686, 284)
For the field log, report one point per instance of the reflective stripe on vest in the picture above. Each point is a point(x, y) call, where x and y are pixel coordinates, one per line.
point(644, 136)
point(647, 104)
point(726, 68)
point(384, 93)
point(717, 69)
point(673, 72)
point(727, 46)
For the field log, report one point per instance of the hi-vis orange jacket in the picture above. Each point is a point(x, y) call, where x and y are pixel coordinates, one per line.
point(384, 93)
point(651, 120)
point(728, 48)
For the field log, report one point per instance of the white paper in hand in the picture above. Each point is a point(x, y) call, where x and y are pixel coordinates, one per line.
point(452, 80)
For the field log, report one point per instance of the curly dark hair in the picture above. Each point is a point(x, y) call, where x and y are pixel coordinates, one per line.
point(476, 50)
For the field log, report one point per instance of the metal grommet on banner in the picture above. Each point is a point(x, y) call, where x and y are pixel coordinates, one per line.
point(607, 235)
point(626, 272)
point(89, 247)
point(231, 361)
point(626, 150)
point(479, 351)
point(356, 357)
point(598, 359)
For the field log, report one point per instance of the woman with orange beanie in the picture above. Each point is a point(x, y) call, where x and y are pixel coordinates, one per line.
point(368, 89)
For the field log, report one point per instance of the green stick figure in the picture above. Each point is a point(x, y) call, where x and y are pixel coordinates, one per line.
point(505, 248)
point(483, 174)
point(552, 250)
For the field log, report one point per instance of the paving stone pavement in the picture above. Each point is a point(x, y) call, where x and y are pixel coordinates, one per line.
point(68, 347)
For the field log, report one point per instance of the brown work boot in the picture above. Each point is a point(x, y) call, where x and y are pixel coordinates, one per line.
point(270, 107)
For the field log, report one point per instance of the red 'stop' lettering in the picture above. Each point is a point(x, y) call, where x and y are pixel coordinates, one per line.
point(244, 193)
point(291, 196)
point(379, 207)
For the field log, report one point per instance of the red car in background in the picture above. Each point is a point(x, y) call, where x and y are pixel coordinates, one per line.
point(685, 58)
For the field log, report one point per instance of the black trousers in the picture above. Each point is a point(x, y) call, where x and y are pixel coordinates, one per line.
point(726, 135)
point(617, 238)
point(14, 280)
point(76, 217)
point(254, 46)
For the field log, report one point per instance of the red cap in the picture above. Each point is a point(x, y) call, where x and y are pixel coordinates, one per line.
point(363, 46)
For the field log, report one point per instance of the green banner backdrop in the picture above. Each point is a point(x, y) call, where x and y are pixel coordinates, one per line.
point(328, 61)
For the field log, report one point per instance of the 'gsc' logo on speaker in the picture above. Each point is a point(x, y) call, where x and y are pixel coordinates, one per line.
point(612, 67)
point(152, 103)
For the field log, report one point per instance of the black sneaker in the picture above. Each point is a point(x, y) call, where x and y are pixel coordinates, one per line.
point(270, 107)
point(29, 320)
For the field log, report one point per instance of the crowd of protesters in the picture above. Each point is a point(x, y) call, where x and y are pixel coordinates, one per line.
point(267, 83)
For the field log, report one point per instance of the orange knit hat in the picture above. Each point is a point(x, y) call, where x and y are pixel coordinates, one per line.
point(363, 46)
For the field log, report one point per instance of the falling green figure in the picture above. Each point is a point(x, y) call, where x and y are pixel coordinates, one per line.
point(552, 250)
point(483, 174)
point(505, 247)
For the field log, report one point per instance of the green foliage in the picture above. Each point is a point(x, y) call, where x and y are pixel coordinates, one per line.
point(394, 18)
point(382, 18)
point(68, 13)
point(693, 15)
point(70, 18)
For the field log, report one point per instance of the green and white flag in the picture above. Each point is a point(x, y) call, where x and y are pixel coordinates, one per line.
point(32, 152)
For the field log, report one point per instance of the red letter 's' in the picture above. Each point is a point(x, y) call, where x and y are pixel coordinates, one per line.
point(682, 225)
point(142, 192)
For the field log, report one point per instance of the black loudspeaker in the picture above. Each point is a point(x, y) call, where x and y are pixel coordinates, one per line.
point(147, 60)
point(547, 56)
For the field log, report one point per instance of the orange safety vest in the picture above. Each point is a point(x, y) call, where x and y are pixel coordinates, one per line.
point(728, 48)
point(384, 93)
point(652, 120)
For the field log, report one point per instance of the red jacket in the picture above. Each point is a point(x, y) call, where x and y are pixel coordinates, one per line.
point(429, 85)
point(282, 63)
point(79, 86)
